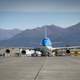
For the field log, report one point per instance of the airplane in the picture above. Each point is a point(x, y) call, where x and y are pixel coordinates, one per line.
point(46, 48)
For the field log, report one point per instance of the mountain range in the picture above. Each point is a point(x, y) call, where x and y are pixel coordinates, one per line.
point(8, 33)
point(32, 37)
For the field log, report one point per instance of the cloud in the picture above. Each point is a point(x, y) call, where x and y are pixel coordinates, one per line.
point(40, 5)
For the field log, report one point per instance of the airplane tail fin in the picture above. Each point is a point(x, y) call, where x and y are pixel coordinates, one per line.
point(46, 41)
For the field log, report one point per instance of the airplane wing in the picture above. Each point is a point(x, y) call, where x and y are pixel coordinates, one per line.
point(71, 47)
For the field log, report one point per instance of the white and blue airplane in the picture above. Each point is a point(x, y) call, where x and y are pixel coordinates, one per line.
point(47, 49)
point(46, 45)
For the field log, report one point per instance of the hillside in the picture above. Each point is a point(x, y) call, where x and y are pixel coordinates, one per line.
point(7, 34)
point(32, 38)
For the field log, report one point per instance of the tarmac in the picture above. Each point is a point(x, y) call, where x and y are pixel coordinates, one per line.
point(40, 68)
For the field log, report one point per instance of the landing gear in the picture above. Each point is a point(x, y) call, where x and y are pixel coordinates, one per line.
point(34, 55)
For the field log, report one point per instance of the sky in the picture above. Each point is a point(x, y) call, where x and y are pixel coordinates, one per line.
point(27, 14)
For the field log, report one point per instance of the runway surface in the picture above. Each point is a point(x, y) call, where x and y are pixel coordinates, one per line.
point(40, 68)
